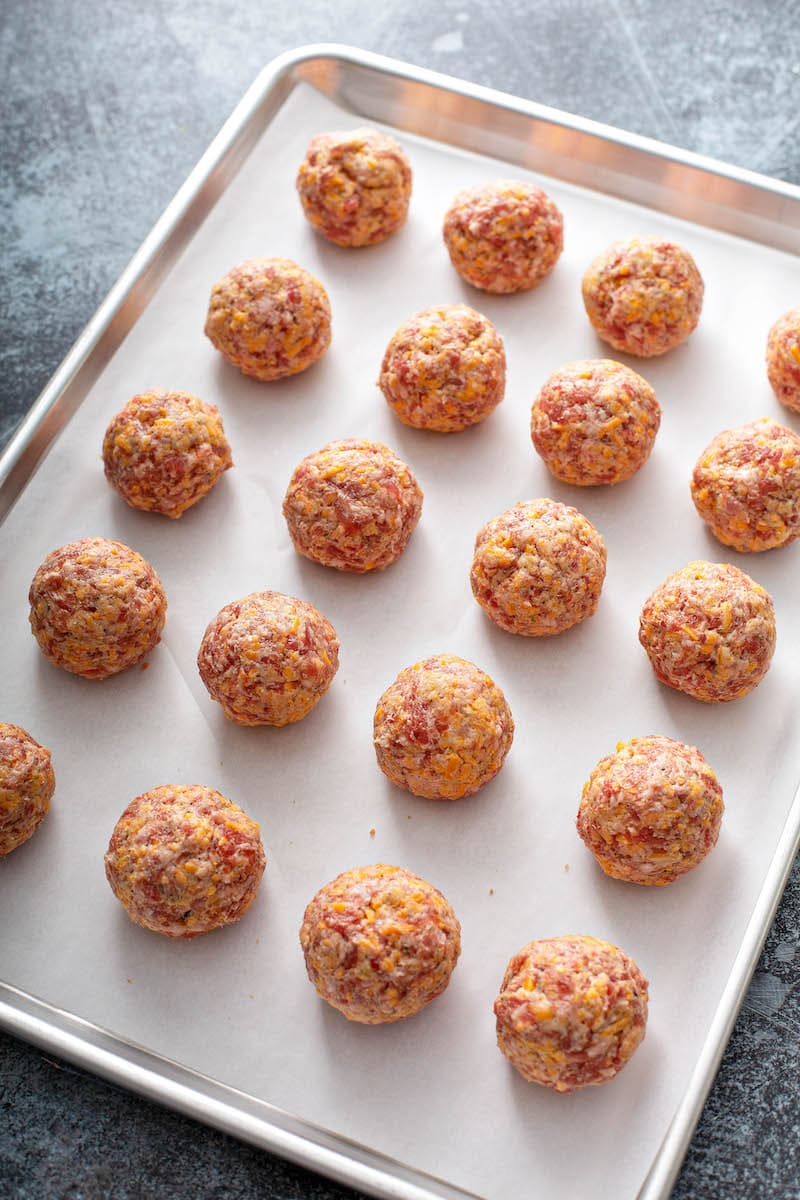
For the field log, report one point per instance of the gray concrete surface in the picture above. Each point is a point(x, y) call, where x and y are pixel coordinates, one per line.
point(103, 110)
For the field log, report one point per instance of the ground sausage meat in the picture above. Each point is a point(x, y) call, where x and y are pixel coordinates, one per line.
point(444, 369)
point(651, 811)
point(746, 486)
point(783, 359)
point(269, 317)
point(353, 505)
point(538, 568)
point(571, 1012)
point(184, 860)
point(595, 422)
point(505, 236)
point(355, 187)
point(97, 607)
point(643, 295)
point(379, 943)
point(442, 729)
point(165, 450)
point(709, 631)
point(27, 784)
point(268, 659)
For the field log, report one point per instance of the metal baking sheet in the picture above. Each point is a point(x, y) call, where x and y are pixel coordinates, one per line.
point(226, 1028)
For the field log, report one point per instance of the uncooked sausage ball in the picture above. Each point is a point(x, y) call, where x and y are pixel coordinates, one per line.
point(379, 943)
point(268, 659)
point(165, 450)
point(97, 607)
point(353, 505)
point(355, 187)
point(442, 729)
point(27, 784)
point(595, 422)
point(571, 1012)
point(783, 359)
point(709, 631)
point(746, 486)
point(184, 860)
point(538, 568)
point(505, 236)
point(444, 369)
point(269, 317)
point(651, 811)
point(643, 295)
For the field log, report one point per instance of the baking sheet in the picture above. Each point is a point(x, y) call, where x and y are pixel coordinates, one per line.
point(432, 1092)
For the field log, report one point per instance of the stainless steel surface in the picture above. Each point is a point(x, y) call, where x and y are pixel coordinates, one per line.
point(208, 1100)
point(581, 152)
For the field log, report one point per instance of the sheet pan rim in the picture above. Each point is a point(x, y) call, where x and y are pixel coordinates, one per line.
point(29, 444)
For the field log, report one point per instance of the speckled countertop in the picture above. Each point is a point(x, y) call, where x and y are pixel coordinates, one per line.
point(104, 110)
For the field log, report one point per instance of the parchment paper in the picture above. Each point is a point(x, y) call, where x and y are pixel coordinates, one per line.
point(433, 1091)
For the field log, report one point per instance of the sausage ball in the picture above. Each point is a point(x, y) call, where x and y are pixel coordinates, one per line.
point(746, 486)
point(503, 237)
point(709, 631)
point(379, 943)
point(353, 505)
point(184, 860)
point(442, 729)
point(355, 187)
point(783, 359)
point(269, 317)
point(538, 568)
point(97, 607)
point(643, 295)
point(165, 450)
point(595, 422)
point(444, 369)
point(268, 659)
point(571, 1012)
point(27, 784)
point(651, 811)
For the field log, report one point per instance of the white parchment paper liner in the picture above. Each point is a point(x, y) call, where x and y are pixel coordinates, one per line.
point(433, 1092)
